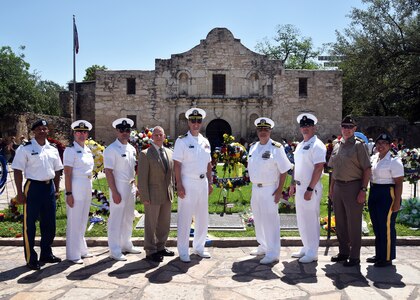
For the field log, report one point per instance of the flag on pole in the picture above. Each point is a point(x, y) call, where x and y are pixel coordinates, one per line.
point(76, 38)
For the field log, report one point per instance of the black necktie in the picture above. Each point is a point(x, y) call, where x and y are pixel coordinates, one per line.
point(164, 160)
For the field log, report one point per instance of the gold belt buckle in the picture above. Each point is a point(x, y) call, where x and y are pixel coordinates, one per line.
point(259, 184)
point(89, 176)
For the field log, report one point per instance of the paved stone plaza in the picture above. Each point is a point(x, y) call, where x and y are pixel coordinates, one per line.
point(230, 274)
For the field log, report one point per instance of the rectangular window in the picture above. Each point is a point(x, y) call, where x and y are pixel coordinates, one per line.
point(131, 86)
point(303, 87)
point(219, 84)
point(134, 119)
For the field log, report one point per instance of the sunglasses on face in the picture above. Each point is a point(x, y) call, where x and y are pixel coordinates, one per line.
point(199, 121)
point(124, 130)
point(347, 126)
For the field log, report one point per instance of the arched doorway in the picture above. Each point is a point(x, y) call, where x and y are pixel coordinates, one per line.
point(215, 130)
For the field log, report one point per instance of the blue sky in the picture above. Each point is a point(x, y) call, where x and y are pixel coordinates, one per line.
point(129, 34)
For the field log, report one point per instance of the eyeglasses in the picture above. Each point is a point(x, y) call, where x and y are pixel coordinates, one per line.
point(199, 121)
point(347, 126)
point(124, 130)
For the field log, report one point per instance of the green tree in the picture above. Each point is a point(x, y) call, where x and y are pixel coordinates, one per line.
point(49, 101)
point(295, 51)
point(381, 65)
point(18, 90)
point(91, 72)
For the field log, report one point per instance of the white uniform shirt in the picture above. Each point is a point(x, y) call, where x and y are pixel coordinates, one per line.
point(121, 159)
point(307, 154)
point(267, 162)
point(37, 162)
point(384, 170)
point(80, 159)
point(194, 155)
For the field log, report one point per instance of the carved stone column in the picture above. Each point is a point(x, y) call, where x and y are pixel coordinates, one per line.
point(243, 120)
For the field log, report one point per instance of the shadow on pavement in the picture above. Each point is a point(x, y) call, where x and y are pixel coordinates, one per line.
point(88, 271)
point(136, 267)
point(295, 272)
point(175, 267)
point(50, 270)
point(13, 273)
point(343, 277)
point(385, 278)
point(250, 269)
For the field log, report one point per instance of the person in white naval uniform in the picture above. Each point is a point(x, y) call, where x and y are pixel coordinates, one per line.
point(119, 164)
point(40, 162)
point(192, 166)
point(78, 166)
point(310, 157)
point(267, 168)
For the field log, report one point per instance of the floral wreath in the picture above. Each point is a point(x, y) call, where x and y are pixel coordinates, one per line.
point(98, 156)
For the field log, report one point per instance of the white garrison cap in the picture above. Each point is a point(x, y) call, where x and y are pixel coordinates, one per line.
point(306, 119)
point(195, 112)
point(81, 125)
point(264, 122)
point(123, 123)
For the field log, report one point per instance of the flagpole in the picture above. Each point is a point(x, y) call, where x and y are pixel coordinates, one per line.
point(74, 69)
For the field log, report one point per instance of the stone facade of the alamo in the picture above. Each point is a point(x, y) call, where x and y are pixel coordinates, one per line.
point(232, 83)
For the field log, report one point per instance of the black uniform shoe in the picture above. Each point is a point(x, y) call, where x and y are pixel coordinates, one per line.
point(339, 257)
point(352, 262)
point(33, 266)
point(156, 257)
point(50, 259)
point(166, 252)
point(382, 263)
point(371, 259)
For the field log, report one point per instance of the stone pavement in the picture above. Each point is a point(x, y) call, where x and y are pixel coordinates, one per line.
point(230, 274)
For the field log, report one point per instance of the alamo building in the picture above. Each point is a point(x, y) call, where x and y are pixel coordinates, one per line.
point(233, 84)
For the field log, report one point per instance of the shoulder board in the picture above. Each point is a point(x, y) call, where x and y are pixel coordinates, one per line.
point(359, 140)
point(69, 145)
point(54, 145)
point(27, 143)
point(276, 144)
point(183, 135)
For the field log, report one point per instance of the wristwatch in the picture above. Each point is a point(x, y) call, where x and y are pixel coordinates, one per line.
point(363, 189)
point(69, 193)
point(309, 189)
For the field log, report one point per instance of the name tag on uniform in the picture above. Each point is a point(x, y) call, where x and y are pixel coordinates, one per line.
point(191, 146)
point(266, 155)
point(123, 155)
point(307, 147)
point(79, 151)
point(34, 153)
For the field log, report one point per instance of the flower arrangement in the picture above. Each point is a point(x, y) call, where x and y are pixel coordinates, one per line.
point(103, 207)
point(324, 223)
point(141, 140)
point(98, 156)
point(232, 154)
point(248, 217)
point(409, 213)
point(13, 213)
point(286, 204)
point(411, 161)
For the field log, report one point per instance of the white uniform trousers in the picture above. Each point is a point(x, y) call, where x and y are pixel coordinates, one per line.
point(195, 203)
point(308, 218)
point(77, 218)
point(120, 222)
point(266, 220)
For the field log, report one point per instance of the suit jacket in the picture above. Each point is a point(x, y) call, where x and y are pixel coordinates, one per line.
point(155, 185)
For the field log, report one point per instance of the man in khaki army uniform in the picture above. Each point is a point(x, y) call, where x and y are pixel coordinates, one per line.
point(350, 177)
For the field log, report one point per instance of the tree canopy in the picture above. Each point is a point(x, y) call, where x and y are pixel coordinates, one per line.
point(91, 72)
point(381, 65)
point(295, 51)
point(22, 91)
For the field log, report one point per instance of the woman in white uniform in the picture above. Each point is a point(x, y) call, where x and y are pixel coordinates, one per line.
point(78, 166)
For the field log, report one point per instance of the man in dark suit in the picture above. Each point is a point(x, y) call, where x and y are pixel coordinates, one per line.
point(156, 182)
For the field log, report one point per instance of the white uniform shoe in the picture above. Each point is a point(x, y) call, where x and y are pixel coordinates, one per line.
point(120, 257)
point(257, 252)
point(134, 250)
point(87, 255)
point(185, 258)
point(307, 259)
point(77, 261)
point(298, 254)
point(268, 260)
point(203, 254)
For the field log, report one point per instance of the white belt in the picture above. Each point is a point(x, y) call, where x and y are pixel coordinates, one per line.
point(83, 176)
point(196, 177)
